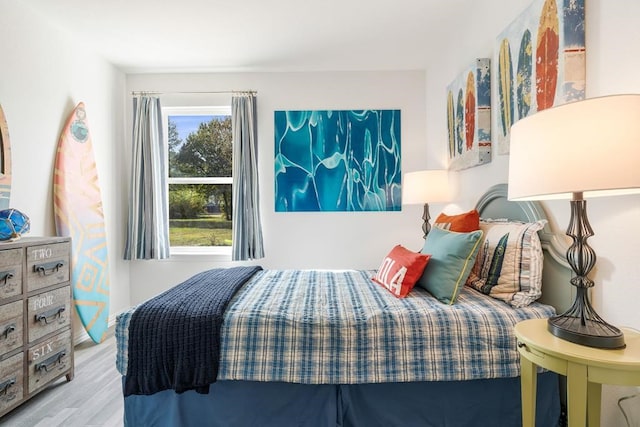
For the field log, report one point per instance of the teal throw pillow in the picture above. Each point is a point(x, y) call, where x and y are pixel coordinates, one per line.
point(452, 257)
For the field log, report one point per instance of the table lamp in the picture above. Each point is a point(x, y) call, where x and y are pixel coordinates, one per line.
point(423, 187)
point(574, 151)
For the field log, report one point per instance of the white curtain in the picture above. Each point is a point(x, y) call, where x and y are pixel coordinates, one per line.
point(147, 231)
point(247, 228)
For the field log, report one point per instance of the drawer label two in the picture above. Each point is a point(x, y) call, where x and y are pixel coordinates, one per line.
point(42, 253)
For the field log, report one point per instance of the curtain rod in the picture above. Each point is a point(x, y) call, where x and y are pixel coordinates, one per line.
point(147, 92)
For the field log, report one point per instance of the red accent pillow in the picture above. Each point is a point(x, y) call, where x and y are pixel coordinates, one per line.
point(461, 223)
point(400, 270)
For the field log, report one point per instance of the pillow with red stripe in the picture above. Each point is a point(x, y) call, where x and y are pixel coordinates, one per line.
point(462, 223)
point(400, 270)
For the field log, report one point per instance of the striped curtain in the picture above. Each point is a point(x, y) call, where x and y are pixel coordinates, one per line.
point(147, 231)
point(247, 228)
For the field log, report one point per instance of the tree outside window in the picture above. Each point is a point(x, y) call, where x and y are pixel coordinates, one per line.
point(200, 176)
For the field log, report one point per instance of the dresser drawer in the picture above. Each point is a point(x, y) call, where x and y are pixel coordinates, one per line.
point(11, 381)
point(48, 360)
point(10, 273)
point(48, 312)
point(47, 265)
point(11, 316)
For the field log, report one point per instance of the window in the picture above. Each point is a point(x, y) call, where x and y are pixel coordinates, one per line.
point(199, 151)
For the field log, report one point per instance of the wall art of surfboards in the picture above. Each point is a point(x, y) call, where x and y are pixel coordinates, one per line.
point(505, 87)
point(5, 163)
point(523, 76)
point(79, 214)
point(547, 50)
point(470, 112)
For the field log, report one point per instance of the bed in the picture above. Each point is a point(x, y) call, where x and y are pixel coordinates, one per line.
point(282, 360)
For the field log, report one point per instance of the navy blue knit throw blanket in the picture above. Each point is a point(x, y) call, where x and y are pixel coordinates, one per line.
point(174, 338)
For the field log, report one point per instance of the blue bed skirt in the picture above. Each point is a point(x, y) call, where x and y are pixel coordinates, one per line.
point(477, 403)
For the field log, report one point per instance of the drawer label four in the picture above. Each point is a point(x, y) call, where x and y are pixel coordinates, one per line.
point(44, 301)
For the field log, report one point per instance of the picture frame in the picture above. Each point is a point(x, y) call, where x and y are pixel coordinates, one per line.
point(540, 62)
point(338, 160)
point(469, 116)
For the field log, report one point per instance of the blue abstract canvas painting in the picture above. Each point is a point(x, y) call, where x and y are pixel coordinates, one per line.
point(337, 160)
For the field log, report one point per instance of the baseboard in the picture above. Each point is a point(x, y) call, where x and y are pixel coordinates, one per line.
point(81, 334)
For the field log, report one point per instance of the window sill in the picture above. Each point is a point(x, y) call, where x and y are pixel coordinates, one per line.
point(193, 253)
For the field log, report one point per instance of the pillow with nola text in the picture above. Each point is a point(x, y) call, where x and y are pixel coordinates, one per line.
point(462, 223)
point(509, 262)
point(452, 256)
point(400, 270)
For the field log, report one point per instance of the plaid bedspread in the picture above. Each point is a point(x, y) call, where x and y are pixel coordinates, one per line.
point(339, 327)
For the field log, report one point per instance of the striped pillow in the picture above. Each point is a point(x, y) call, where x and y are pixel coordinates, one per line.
point(509, 262)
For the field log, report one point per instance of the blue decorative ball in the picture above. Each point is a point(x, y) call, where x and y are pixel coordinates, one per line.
point(13, 224)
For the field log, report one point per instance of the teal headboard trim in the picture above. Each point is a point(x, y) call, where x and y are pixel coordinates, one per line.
point(556, 289)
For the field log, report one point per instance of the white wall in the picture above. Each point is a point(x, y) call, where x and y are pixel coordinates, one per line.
point(613, 44)
point(303, 240)
point(44, 74)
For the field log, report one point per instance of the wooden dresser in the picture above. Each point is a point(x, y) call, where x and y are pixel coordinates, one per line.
point(36, 344)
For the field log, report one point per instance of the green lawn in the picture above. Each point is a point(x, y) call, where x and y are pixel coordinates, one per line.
point(206, 230)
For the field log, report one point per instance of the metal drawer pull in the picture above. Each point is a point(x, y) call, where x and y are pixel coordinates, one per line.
point(10, 328)
point(54, 312)
point(5, 276)
point(4, 387)
point(48, 267)
point(47, 364)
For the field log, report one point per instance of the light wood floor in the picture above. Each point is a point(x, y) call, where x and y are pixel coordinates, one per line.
point(92, 398)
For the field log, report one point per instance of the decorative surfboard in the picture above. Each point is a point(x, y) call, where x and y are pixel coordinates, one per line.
point(79, 214)
point(460, 121)
point(451, 119)
point(523, 81)
point(470, 112)
point(5, 163)
point(547, 51)
point(505, 87)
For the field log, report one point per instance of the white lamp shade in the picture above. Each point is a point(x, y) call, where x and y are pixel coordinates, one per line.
point(429, 186)
point(590, 146)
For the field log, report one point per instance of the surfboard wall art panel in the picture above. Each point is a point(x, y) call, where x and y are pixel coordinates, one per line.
point(5, 163)
point(79, 214)
point(337, 160)
point(469, 116)
point(540, 62)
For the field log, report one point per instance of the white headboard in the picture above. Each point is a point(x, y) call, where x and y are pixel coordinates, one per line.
point(556, 272)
